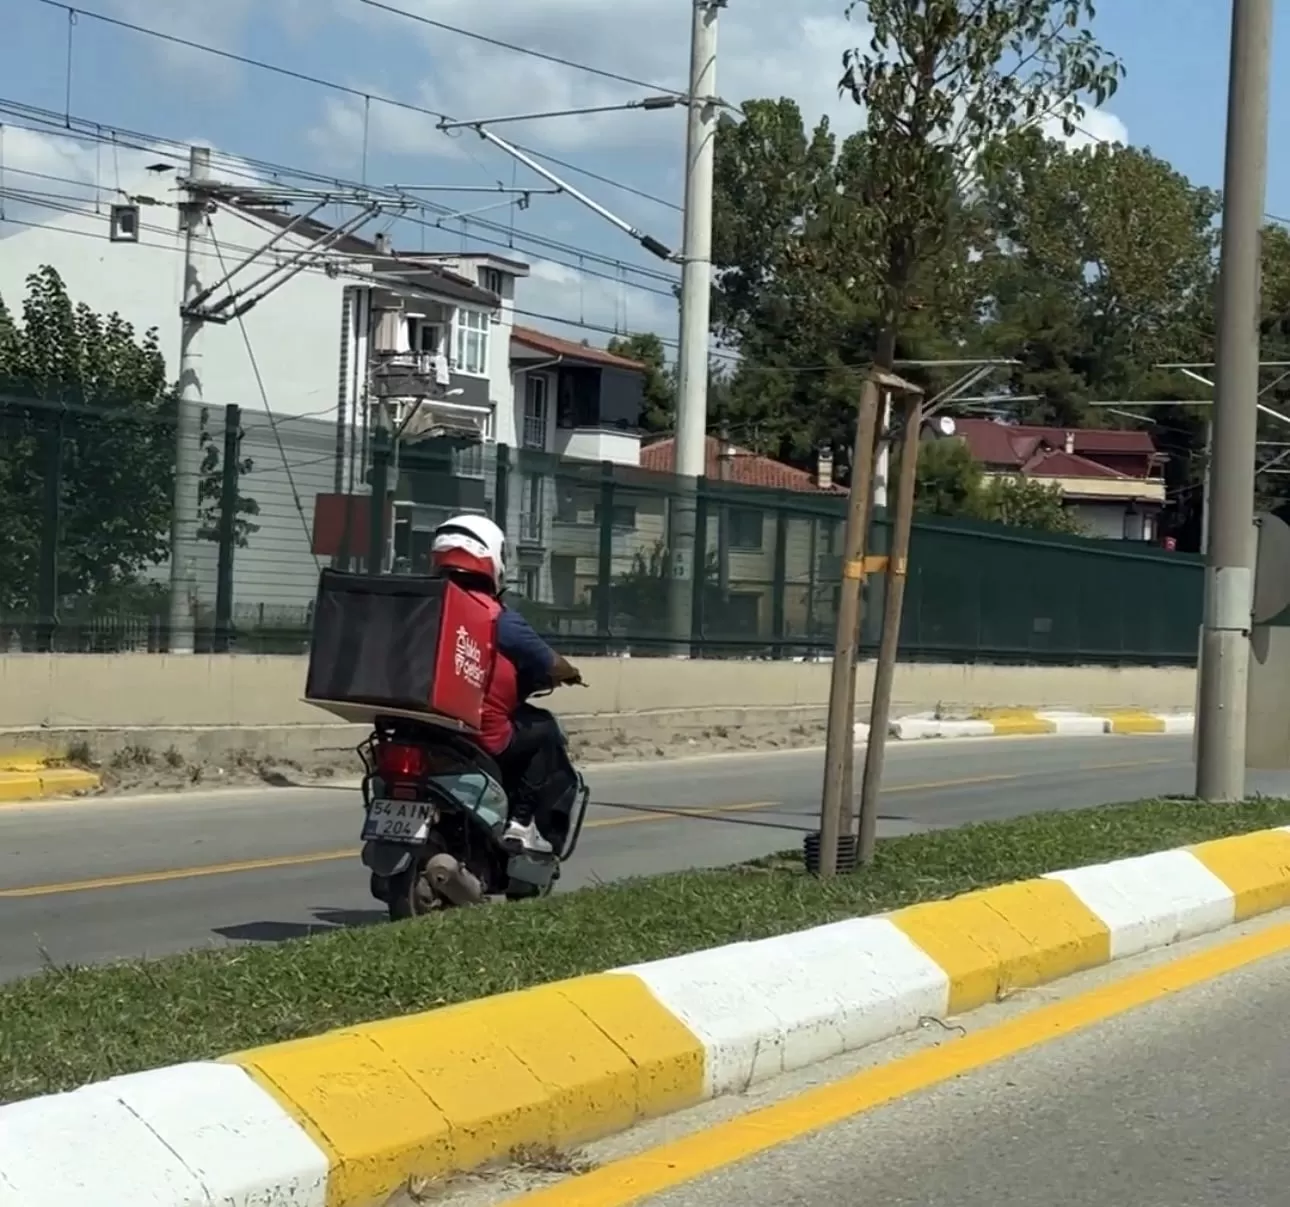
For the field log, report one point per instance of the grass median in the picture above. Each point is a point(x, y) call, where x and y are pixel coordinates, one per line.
point(66, 1027)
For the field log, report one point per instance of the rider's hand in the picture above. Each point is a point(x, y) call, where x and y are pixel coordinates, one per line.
point(564, 672)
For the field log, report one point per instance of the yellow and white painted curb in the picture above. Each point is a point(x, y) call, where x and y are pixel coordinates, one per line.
point(345, 1119)
point(25, 777)
point(1018, 722)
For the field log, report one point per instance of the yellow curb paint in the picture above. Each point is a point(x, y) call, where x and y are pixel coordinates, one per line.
point(1133, 721)
point(1256, 867)
point(1021, 726)
point(453, 1088)
point(1010, 937)
point(17, 786)
point(636, 1178)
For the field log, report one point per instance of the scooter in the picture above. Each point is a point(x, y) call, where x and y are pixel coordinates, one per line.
point(434, 812)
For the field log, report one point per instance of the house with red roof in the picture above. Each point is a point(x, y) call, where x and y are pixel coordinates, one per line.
point(1111, 479)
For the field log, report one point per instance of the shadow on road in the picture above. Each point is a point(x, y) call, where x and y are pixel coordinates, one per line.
point(325, 920)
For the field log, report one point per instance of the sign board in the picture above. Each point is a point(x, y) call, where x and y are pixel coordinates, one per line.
point(1268, 686)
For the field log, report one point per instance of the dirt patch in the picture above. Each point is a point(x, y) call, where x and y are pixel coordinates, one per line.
point(141, 768)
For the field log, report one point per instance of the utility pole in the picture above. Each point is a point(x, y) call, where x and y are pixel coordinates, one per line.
point(188, 420)
point(1229, 570)
point(696, 302)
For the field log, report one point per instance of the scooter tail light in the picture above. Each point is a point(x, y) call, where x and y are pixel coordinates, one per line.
point(399, 761)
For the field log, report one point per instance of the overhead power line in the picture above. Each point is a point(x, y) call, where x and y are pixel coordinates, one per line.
point(603, 72)
point(344, 89)
point(81, 129)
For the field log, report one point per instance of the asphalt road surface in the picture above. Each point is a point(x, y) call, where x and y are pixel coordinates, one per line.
point(1179, 1103)
point(107, 878)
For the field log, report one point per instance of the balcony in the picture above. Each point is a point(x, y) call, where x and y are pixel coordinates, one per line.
point(414, 375)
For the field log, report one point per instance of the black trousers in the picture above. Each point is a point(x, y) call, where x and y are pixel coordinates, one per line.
point(533, 765)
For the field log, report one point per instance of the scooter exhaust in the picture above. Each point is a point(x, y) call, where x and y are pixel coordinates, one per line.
point(452, 880)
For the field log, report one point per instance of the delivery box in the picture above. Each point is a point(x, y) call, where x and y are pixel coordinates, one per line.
point(399, 644)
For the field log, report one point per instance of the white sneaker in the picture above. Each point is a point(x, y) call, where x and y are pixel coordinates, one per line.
point(525, 839)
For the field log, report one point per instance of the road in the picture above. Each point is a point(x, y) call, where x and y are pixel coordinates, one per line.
point(1179, 1103)
point(102, 879)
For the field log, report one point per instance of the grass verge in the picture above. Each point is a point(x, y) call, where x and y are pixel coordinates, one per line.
point(69, 1026)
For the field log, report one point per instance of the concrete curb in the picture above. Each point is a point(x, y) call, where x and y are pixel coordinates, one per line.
point(344, 1119)
point(38, 783)
point(1034, 722)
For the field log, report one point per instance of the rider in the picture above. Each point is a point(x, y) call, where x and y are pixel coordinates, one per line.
point(524, 740)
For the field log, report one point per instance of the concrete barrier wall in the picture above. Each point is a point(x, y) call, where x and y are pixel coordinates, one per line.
point(73, 691)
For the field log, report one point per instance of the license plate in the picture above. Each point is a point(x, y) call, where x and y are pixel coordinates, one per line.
point(401, 821)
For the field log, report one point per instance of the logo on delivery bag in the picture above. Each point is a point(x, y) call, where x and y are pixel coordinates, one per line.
point(468, 659)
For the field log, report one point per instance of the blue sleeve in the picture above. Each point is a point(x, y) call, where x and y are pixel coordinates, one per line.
point(516, 639)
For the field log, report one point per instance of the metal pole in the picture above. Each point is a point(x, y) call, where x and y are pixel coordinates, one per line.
point(228, 491)
point(839, 751)
point(188, 420)
point(889, 642)
point(1224, 657)
point(696, 301)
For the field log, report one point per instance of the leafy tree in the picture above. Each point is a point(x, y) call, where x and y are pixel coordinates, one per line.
point(85, 405)
point(639, 596)
point(659, 414)
point(1102, 265)
point(951, 482)
point(1023, 502)
point(942, 82)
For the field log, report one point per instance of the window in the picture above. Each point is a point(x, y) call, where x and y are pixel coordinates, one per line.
point(530, 583)
point(745, 528)
point(535, 411)
point(424, 337)
point(566, 503)
point(470, 345)
point(578, 398)
point(624, 516)
point(493, 280)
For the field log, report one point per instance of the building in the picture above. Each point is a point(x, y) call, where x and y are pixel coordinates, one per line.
point(1111, 480)
point(352, 330)
point(748, 542)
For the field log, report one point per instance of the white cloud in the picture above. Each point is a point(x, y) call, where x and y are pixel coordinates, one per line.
point(600, 306)
point(1096, 126)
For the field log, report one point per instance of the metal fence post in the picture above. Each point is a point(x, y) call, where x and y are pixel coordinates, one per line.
point(228, 491)
point(380, 493)
point(605, 556)
point(699, 568)
point(51, 533)
point(779, 583)
point(502, 489)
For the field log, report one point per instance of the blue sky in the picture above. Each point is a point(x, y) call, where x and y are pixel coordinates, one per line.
point(1172, 101)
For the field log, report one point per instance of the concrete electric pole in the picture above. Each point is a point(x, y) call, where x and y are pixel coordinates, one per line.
point(1224, 655)
point(188, 420)
point(696, 302)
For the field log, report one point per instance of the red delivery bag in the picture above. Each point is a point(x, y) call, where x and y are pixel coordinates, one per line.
point(400, 643)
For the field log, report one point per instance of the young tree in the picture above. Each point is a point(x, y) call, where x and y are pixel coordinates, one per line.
point(942, 82)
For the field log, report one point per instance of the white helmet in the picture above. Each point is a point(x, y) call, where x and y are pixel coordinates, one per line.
point(472, 544)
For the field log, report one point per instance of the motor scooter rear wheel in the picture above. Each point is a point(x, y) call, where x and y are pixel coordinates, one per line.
point(409, 896)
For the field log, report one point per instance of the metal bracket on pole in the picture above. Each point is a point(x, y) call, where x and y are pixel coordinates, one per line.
point(648, 242)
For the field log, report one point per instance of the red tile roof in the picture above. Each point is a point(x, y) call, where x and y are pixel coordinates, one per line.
point(1007, 444)
point(1023, 446)
point(1056, 463)
point(553, 345)
point(746, 468)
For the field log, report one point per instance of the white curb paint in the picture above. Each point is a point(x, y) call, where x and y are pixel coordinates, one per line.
point(765, 1008)
point(205, 1135)
point(1153, 900)
point(192, 1135)
point(1065, 724)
